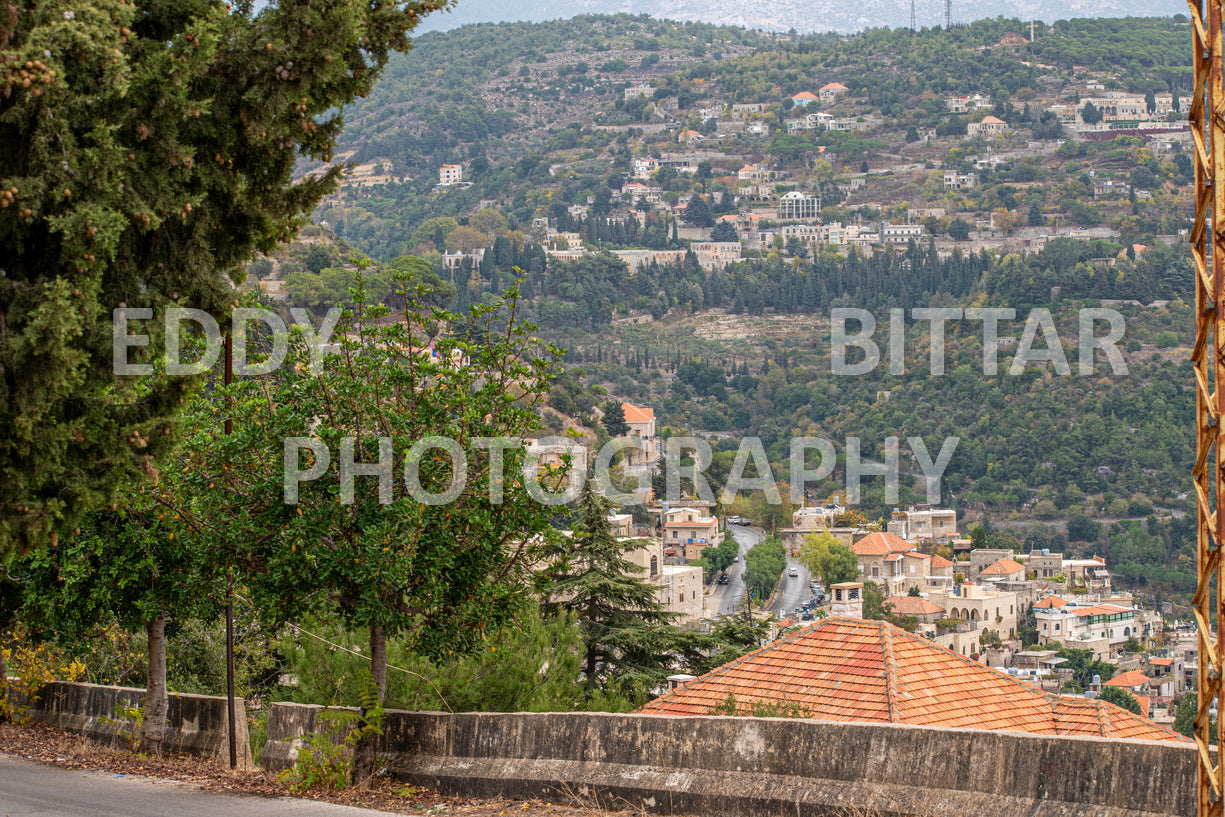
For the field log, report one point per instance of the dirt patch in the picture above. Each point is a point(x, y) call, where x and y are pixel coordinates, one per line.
point(56, 747)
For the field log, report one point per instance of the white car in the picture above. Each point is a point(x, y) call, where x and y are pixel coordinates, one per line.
point(793, 572)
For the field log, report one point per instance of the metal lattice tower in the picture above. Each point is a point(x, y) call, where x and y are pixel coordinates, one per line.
point(912, 23)
point(1207, 115)
point(948, 14)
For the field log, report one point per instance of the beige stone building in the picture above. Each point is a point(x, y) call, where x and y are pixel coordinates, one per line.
point(687, 531)
point(680, 588)
point(921, 524)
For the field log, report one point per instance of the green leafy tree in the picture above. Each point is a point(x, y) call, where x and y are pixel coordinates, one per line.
point(148, 151)
point(1090, 114)
point(959, 230)
point(719, 558)
point(437, 557)
point(627, 639)
point(1084, 666)
point(763, 567)
point(127, 567)
point(1120, 698)
point(874, 604)
point(1184, 715)
point(833, 561)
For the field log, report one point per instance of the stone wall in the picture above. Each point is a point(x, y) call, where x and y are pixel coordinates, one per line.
point(744, 767)
point(196, 724)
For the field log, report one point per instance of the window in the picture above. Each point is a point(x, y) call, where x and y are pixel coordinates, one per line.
point(1056, 628)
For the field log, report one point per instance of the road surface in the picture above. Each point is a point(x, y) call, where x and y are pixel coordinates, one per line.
point(727, 598)
point(30, 789)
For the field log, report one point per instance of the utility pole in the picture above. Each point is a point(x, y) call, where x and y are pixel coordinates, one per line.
point(229, 589)
point(1208, 255)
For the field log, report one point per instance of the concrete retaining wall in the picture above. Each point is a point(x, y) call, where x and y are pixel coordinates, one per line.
point(196, 724)
point(745, 767)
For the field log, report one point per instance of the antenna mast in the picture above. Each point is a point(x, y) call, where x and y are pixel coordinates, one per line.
point(948, 14)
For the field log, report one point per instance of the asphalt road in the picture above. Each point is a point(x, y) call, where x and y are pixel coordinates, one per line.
point(727, 598)
point(33, 790)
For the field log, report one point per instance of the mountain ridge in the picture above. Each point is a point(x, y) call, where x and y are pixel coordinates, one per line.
point(805, 17)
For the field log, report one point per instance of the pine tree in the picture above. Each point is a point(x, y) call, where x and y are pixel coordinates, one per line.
point(147, 152)
point(625, 629)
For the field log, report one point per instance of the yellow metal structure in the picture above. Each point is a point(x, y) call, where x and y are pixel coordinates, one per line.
point(1207, 117)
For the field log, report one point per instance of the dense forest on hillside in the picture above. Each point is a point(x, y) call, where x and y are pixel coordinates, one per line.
point(537, 117)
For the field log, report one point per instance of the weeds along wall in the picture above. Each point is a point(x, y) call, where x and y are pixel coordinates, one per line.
point(744, 767)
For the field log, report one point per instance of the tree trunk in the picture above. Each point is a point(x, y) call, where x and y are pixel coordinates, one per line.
point(363, 751)
point(153, 725)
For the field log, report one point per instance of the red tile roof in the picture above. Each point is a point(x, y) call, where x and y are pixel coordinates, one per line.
point(913, 606)
point(1004, 567)
point(1162, 662)
point(940, 561)
point(880, 544)
point(1134, 678)
point(1101, 610)
point(852, 670)
point(1051, 602)
point(833, 86)
point(633, 414)
point(805, 95)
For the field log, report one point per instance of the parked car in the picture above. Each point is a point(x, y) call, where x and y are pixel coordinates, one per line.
point(793, 572)
point(725, 579)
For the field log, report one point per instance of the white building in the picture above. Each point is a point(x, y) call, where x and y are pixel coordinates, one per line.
point(1102, 628)
point(918, 524)
point(900, 233)
point(797, 205)
point(450, 174)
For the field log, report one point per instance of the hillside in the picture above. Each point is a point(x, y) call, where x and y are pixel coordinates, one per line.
point(684, 211)
point(806, 17)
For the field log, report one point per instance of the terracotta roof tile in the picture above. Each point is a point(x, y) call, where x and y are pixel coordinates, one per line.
point(913, 606)
point(1003, 567)
point(940, 561)
point(880, 544)
point(1134, 678)
point(853, 670)
point(633, 414)
point(1050, 602)
point(1162, 662)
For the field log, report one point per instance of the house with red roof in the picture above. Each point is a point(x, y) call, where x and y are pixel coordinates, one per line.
point(925, 611)
point(989, 126)
point(831, 91)
point(1005, 569)
point(846, 669)
point(1102, 628)
point(645, 455)
point(803, 98)
point(880, 555)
